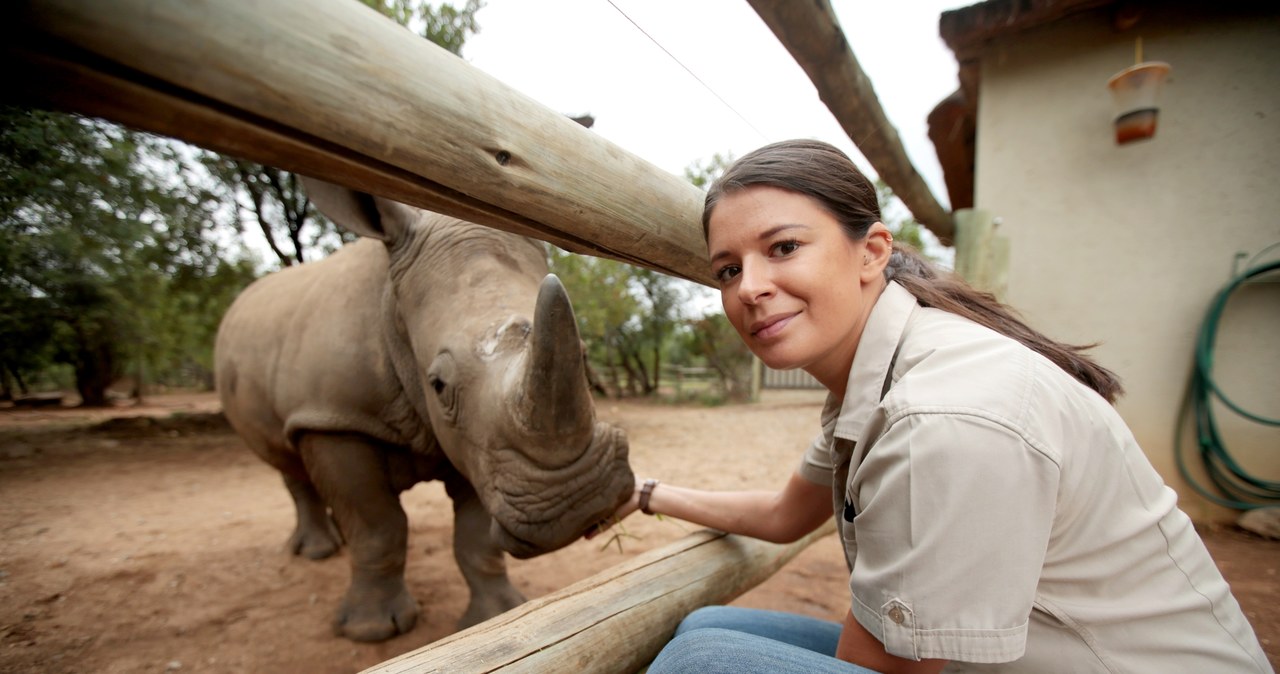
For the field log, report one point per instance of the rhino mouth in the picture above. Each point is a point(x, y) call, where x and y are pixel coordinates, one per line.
point(565, 532)
point(536, 510)
point(513, 545)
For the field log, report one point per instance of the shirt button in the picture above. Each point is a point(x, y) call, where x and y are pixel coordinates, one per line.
point(895, 614)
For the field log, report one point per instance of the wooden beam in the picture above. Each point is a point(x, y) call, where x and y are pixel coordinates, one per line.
point(332, 89)
point(810, 31)
point(615, 621)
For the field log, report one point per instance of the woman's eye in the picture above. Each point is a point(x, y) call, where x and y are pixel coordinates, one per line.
point(726, 273)
point(784, 248)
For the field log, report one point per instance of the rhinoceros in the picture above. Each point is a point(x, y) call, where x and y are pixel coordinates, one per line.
point(429, 349)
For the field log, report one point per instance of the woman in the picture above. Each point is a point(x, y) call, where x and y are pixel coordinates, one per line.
point(996, 513)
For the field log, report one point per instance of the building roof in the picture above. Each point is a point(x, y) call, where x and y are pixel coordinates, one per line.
point(967, 31)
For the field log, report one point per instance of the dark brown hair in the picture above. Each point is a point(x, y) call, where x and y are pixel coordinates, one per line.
point(825, 174)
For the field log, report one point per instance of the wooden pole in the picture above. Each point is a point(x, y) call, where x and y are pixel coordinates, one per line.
point(332, 89)
point(810, 31)
point(615, 621)
point(982, 251)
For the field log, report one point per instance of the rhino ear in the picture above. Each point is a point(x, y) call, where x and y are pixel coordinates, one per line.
point(361, 213)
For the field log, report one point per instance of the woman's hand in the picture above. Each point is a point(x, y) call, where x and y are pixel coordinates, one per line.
point(629, 506)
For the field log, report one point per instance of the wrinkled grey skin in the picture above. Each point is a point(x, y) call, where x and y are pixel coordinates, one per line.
point(432, 349)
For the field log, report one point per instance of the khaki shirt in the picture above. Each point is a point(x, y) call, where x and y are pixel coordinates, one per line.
point(997, 513)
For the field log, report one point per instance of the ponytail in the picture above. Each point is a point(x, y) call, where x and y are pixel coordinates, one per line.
point(948, 292)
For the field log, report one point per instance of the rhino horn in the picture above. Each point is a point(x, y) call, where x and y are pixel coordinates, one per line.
point(555, 392)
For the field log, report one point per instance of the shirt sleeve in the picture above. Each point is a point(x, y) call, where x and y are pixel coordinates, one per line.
point(953, 519)
point(816, 465)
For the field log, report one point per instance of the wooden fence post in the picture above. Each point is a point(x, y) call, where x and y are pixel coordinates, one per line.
point(982, 252)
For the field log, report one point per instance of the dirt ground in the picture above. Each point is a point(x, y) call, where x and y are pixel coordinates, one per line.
point(155, 543)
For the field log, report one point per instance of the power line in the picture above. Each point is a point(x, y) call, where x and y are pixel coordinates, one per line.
point(686, 69)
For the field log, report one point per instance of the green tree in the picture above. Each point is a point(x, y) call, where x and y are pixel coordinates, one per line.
point(713, 339)
point(95, 224)
point(709, 337)
point(273, 202)
point(605, 309)
point(663, 297)
point(625, 315)
point(703, 173)
point(444, 25)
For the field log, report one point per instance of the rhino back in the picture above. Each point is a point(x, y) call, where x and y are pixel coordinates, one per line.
point(302, 349)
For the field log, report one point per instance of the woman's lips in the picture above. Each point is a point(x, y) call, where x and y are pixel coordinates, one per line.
point(770, 326)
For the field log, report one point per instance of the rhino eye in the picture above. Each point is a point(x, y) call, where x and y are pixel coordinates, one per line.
point(442, 377)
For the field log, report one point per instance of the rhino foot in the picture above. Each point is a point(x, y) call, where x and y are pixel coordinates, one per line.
point(316, 536)
point(490, 604)
point(362, 619)
point(314, 542)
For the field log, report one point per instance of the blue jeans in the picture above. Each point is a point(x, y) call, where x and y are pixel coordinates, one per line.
point(735, 640)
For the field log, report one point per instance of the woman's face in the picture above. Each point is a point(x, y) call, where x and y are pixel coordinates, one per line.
point(794, 286)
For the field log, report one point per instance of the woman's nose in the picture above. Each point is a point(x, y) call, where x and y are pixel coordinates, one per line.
point(755, 283)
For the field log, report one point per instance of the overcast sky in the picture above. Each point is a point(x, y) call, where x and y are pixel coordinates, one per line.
point(745, 90)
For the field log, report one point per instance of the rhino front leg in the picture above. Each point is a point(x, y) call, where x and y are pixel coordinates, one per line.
point(315, 536)
point(482, 562)
point(350, 473)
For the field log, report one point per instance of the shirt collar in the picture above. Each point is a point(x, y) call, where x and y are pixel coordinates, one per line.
point(879, 341)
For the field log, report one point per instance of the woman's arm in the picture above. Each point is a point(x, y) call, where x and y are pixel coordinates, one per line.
point(778, 517)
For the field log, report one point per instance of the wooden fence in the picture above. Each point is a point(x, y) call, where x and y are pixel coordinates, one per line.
point(776, 379)
point(615, 621)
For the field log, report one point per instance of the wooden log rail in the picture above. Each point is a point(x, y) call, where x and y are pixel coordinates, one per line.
point(810, 31)
point(332, 89)
point(615, 621)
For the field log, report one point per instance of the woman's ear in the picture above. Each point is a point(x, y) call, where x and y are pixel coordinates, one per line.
point(878, 246)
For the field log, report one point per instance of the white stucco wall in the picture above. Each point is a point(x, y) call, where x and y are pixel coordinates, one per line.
point(1126, 245)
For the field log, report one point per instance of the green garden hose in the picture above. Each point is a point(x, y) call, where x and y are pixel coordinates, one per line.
point(1235, 487)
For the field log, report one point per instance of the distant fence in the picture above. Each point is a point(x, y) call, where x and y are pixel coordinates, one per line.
point(789, 379)
point(684, 380)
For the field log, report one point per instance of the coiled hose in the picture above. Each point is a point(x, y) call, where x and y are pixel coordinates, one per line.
point(1235, 487)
